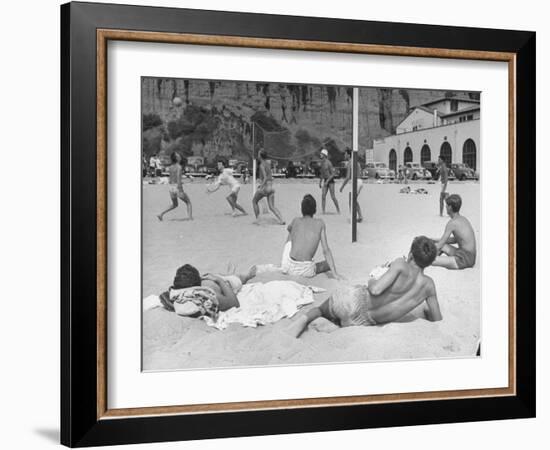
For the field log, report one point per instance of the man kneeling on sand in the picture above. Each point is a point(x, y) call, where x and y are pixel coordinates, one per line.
point(402, 288)
point(458, 231)
point(193, 295)
point(304, 235)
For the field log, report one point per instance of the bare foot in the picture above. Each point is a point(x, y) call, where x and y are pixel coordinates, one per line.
point(159, 217)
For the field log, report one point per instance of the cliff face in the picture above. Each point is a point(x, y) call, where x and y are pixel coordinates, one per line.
point(215, 117)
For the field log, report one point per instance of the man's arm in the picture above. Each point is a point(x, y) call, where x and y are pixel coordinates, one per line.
point(432, 311)
point(327, 252)
point(263, 176)
point(446, 236)
point(178, 175)
point(227, 299)
point(214, 186)
point(376, 287)
point(289, 229)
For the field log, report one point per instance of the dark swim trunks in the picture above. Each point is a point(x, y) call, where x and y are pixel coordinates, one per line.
point(464, 259)
point(330, 182)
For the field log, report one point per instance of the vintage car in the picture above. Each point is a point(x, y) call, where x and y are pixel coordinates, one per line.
point(417, 172)
point(314, 167)
point(378, 171)
point(463, 172)
point(195, 165)
point(431, 167)
point(294, 169)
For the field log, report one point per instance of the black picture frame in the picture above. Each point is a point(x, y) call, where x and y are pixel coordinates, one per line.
point(80, 425)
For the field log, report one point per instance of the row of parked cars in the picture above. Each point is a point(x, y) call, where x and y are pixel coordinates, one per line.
point(416, 171)
point(376, 170)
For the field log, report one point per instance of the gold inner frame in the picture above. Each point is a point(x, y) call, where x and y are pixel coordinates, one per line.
point(104, 35)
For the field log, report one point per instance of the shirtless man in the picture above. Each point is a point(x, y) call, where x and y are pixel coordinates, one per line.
point(224, 288)
point(359, 184)
point(304, 235)
point(226, 178)
point(401, 289)
point(176, 187)
point(326, 180)
point(444, 178)
point(458, 231)
point(266, 189)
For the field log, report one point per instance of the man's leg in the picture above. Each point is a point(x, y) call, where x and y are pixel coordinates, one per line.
point(229, 199)
point(174, 206)
point(239, 207)
point(187, 201)
point(333, 196)
point(301, 321)
point(442, 198)
point(324, 197)
point(273, 208)
point(448, 262)
point(322, 267)
point(257, 197)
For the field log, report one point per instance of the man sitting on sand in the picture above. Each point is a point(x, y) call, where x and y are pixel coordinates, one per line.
point(458, 231)
point(304, 235)
point(204, 295)
point(402, 288)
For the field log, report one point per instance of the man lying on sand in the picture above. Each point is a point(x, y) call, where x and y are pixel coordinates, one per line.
point(458, 231)
point(206, 294)
point(304, 235)
point(401, 289)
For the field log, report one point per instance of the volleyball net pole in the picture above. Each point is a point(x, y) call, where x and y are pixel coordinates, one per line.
point(253, 158)
point(354, 153)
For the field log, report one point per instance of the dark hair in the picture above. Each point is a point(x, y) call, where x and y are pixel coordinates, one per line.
point(309, 205)
point(423, 250)
point(186, 276)
point(174, 157)
point(454, 201)
point(348, 151)
point(220, 162)
point(263, 154)
point(442, 159)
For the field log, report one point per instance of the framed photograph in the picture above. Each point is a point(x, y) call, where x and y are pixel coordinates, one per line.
point(277, 224)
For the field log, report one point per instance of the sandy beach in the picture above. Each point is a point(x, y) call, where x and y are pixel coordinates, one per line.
point(215, 238)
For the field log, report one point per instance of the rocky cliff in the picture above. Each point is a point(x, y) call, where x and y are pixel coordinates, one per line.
point(214, 118)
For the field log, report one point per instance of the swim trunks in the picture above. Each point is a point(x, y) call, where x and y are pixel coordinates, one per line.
point(290, 266)
point(350, 305)
point(464, 259)
point(234, 281)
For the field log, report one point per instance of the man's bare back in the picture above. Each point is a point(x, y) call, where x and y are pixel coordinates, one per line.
point(305, 235)
point(458, 231)
point(401, 289)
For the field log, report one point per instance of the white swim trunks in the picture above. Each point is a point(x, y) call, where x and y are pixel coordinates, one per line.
point(297, 268)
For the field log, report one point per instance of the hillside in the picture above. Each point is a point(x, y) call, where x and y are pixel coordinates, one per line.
point(215, 117)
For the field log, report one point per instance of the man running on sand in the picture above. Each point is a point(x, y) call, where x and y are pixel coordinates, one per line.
point(226, 178)
point(266, 189)
point(326, 180)
point(176, 187)
point(458, 231)
point(401, 289)
point(444, 178)
point(304, 235)
point(347, 163)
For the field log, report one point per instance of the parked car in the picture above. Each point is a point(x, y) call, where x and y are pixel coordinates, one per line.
point(194, 165)
point(378, 171)
point(431, 167)
point(417, 172)
point(464, 172)
point(294, 169)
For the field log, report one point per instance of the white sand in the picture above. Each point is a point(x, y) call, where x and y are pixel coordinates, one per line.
point(215, 238)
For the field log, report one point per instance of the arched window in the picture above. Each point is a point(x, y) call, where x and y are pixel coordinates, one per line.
point(425, 154)
point(469, 153)
point(446, 152)
point(407, 155)
point(393, 160)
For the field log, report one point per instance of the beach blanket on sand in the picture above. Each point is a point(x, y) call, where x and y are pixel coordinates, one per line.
point(262, 303)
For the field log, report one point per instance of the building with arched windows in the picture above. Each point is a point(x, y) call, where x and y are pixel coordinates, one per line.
point(448, 127)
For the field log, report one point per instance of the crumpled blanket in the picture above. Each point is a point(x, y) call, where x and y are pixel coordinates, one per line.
point(262, 303)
